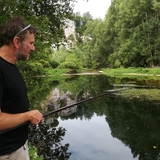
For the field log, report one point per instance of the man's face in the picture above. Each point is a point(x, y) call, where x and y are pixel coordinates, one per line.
point(27, 46)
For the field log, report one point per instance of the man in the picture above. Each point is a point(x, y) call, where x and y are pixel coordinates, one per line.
point(17, 42)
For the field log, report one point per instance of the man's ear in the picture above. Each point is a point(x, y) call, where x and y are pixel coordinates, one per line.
point(16, 42)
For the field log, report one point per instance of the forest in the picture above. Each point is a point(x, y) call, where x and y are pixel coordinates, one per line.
point(128, 36)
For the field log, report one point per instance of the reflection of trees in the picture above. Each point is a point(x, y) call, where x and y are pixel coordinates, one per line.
point(38, 89)
point(137, 124)
point(93, 85)
point(48, 141)
point(46, 137)
point(87, 87)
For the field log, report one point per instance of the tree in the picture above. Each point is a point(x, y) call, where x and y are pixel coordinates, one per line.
point(48, 16)
point(133, 30)
point(94, 46)
point(81, 21)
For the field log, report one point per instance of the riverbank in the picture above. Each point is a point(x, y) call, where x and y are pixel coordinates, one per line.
point(147, 72)
point(142, 73)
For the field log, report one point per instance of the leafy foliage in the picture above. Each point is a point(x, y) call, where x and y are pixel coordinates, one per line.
point(136, 30)
point(128, 37)
point(48, 16)
point(33, 153)
point(81, 21)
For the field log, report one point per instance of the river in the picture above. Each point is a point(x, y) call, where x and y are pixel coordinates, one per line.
point(112, 127)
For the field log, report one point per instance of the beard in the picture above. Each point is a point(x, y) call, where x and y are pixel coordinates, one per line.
point(22, 54)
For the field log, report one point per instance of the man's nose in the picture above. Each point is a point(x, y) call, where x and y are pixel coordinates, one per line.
point(33, 48)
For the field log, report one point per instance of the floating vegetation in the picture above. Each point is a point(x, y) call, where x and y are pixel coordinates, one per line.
point(149, 94)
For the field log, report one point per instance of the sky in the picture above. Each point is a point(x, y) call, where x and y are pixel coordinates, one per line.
point(97, 8)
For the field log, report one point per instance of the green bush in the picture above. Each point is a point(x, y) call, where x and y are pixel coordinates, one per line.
point(68, 65)
point(54, 64)
point(33, 153)
point(44, 63)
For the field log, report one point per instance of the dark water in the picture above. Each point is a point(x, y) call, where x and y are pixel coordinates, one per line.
point(108, 128)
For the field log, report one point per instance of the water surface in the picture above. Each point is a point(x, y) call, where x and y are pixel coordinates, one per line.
point(92, 140)
point(112, 127)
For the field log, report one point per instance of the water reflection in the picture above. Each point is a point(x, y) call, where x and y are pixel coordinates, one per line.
point(92, 140)
point(48, 139)
point(129, 126)
point(136, 123)
point(112, 127)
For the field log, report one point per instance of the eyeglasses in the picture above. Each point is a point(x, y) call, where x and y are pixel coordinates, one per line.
point(22, 30)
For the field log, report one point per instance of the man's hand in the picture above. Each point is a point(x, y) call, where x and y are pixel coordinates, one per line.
point(35, 116)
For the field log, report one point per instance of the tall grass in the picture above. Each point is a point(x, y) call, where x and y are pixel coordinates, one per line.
point(132, 71)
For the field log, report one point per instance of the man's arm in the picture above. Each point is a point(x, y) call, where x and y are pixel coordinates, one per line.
point(12, 120)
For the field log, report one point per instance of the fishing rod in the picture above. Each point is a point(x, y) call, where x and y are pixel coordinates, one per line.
point(63, 108)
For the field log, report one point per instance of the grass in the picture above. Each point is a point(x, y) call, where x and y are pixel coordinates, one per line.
point(139, 74)
point(132, 71)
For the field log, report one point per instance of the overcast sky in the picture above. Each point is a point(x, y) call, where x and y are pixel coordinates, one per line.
point(97, 8)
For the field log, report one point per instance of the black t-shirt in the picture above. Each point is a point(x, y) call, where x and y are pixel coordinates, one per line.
point(13, 99)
